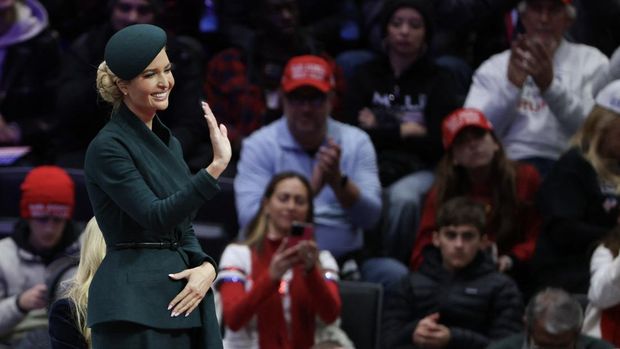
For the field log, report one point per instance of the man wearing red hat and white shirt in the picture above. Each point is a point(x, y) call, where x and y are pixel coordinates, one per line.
point(44, 234)
point(539, 92)
point(338, 159)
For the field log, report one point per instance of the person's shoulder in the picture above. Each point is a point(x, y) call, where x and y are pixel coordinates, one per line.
point(502, 280)
point(109, 140)
point(111, 134)
point(235, 252)
point(105, 137)
point(585, 50)
point(61, 307)
point(7, 243)
point(236, 259)
point(572, 160)
point(236, 247)
point(327, 260)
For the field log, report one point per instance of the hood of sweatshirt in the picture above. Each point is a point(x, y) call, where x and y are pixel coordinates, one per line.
point(31, 19)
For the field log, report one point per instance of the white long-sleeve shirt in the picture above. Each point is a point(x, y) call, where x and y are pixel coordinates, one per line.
point(534, 124)
point(604, 289)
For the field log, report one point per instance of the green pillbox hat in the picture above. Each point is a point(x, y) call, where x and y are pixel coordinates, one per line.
point(130, 50)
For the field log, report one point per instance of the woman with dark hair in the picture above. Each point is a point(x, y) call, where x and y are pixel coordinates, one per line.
point(399, 99)
point(274, 287)
point(476, 165)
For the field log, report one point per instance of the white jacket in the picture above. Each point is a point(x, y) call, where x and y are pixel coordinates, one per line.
point(19, 271)
point(604, 289)
point(534, 124)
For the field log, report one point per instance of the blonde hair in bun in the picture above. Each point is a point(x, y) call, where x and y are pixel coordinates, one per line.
point(106, 85)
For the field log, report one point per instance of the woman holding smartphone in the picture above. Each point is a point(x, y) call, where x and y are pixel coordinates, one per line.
point(272, 291)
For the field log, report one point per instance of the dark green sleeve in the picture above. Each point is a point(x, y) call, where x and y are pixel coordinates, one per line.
point(114, 171)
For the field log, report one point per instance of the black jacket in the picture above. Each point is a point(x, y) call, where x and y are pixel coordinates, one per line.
point(423, 91)
point(63, 329)
point(27, 89)
point(478, 304)
point(578, 211)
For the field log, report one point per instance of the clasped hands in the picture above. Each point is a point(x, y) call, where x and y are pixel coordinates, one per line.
point(327, 168)
point(530, 56)
point(430, 334)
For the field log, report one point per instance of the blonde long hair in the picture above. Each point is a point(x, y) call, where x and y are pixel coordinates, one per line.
point(589, 138)
point(93, 250)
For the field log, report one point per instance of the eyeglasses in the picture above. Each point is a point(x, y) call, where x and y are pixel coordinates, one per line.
point(141, 9)
point(313, 101)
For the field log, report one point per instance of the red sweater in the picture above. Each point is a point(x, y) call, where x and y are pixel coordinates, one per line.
point(310, 295)
point(527, 183)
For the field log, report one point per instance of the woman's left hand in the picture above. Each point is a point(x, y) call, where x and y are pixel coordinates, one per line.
point(308, 253)
point(199, 280)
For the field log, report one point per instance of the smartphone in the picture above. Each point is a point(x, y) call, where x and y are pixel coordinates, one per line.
point(300, 231)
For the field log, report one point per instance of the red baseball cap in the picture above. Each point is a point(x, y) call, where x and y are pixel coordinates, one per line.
point(307, 70)
point(458, 120)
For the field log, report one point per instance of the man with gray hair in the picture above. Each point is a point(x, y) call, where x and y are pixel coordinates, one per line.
point(553, 319)
point(538, 93)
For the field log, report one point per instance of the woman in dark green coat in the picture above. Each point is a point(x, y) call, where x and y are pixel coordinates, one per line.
point(152, 290)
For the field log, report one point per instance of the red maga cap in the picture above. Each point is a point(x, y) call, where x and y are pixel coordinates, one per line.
point(458, 120)
point(307, 70)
